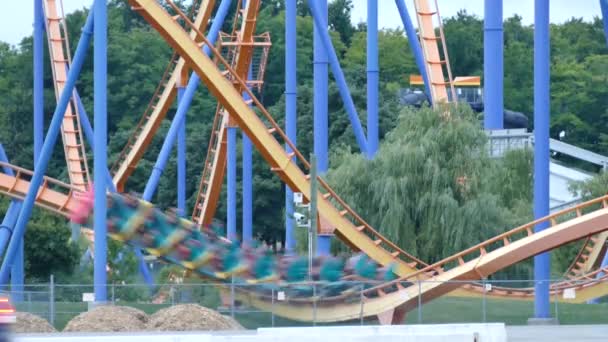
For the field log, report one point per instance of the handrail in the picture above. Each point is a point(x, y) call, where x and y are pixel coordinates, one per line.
point(504, 237)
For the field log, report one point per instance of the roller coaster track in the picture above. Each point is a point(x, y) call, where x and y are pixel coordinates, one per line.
point(240, 55)
point(59, 52)
point(158, 106)
point(391, 299)
point(432, 58)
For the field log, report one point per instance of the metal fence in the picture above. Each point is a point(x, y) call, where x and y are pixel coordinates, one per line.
point(484, 301)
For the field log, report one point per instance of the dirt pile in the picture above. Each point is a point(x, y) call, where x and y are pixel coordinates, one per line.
point(29, 323)
point(108, 318)
point(189, 317)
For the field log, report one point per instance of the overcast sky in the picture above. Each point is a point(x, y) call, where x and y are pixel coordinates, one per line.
point(16, 23)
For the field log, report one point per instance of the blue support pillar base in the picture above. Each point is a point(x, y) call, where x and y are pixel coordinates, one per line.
point(323, 245)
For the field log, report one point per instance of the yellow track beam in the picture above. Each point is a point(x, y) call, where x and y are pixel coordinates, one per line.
point(71, 133)
point(160, 104)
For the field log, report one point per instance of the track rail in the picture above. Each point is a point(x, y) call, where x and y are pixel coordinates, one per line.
point(240, 53)
point(158, 106)
point(439, 80)
point(59, 53)
point(53, 195)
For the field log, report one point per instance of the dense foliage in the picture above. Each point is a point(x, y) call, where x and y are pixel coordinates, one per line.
point(439, 217)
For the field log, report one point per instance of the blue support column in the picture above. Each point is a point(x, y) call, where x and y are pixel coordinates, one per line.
point(373, 81)
point(247, 185)
point(85, 124)
point(541, 151)
point(231, 191)
point(493, 73)
point(323, 245)
point(100, 154)
point(320, 108)
point(291, 88)
point(412, 38)
point(38, 78)
point(183, 106)
point(247, 190)
point(604, 8)
point(319, 14)
point(8, 223)
point(181, 161)
point(47, 149)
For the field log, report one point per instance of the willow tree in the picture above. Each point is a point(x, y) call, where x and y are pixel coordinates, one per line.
point(429, 188)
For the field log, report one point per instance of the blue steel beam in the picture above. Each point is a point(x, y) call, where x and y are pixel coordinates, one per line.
point(183, 106)
point(231, 180)
point(38, 78)
point(412, 38)
point(373, 71)
point(247, 183)
point(319, 21)
point(604, 8)
point(493, 73)
point(89, 136)
point(181, 161)
point(321, 80)
point(100, 154)
point(291, 88)
point(8, 223)
point(320, 108)
point(47, 149)
point(542, 262)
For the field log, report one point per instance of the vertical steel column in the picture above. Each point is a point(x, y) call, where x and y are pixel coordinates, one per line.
point(372, 78)
point(320, 76)
point(183, 106)
point(493, 73)
point(247, 190)
point(231, 191)
point(319, 14)
point(100, 154)
point(85, 124)
point(247, 177)
point(412, 38)
point(291, 89)
point(47, 149)
point(541, 151)
point(8, 223)
point(320, 108)
point(247, 186)
point(38, 78)
point(181, 160)
point(604, 8)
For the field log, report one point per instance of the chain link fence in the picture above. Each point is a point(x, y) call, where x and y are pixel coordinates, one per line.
point(484, 301)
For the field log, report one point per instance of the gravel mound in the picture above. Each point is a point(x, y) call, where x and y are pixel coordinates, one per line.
point(108, 318)
point(28, 323)
point(190, 317)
